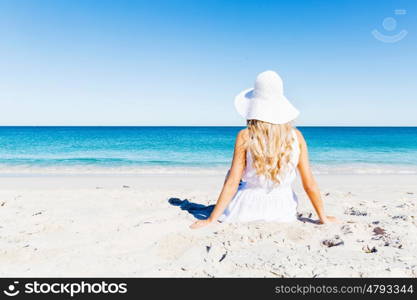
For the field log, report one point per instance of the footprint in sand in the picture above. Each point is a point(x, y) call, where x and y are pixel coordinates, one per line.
point(355, 212)
point(296, 234)
point(174, 246)
point(346, 229)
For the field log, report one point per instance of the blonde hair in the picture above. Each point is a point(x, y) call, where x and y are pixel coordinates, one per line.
point(270, 146)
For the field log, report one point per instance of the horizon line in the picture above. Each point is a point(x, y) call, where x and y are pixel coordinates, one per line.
point(200, 126)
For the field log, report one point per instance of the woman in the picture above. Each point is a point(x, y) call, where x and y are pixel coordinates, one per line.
point(266, 156)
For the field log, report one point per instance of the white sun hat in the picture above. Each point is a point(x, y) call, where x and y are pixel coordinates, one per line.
point(266, 101)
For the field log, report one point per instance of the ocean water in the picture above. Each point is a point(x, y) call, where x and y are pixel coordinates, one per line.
point(136, 150)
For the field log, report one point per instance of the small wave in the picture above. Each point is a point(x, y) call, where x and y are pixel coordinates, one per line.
point(371, 169)
point(29, 169)
point(103, 170)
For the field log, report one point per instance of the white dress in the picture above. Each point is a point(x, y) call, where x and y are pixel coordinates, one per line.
point(259, 199)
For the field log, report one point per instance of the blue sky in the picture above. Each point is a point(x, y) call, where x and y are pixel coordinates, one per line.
point(182, 62)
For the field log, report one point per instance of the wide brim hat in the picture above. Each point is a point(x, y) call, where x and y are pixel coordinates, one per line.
point(266, 101)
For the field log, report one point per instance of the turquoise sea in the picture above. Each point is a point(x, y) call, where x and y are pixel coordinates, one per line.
point(134, 150)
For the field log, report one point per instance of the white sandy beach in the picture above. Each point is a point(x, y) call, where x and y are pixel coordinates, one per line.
point(96, 225)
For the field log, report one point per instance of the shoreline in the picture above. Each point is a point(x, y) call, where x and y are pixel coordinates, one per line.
point(79, 170)
point(190, 181)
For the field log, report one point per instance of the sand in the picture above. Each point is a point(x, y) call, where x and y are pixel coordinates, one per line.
point(103, 225)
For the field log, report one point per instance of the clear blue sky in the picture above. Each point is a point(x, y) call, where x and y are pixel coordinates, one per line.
point(182, 62)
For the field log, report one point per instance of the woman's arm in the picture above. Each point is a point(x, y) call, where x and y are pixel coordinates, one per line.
point(231, 184)
point(309, 183)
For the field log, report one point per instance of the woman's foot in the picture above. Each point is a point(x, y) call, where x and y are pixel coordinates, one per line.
point(329, 219)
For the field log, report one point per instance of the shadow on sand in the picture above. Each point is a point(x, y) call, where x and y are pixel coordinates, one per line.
point(202, 212)
point(308, 220)
point(199, 211)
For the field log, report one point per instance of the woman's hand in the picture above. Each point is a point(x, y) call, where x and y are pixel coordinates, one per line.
point(329, 219)
point(200, 223)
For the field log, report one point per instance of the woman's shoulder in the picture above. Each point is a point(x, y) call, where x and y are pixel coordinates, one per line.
point(243, 134)
point(298, 134)
point(300, 138)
